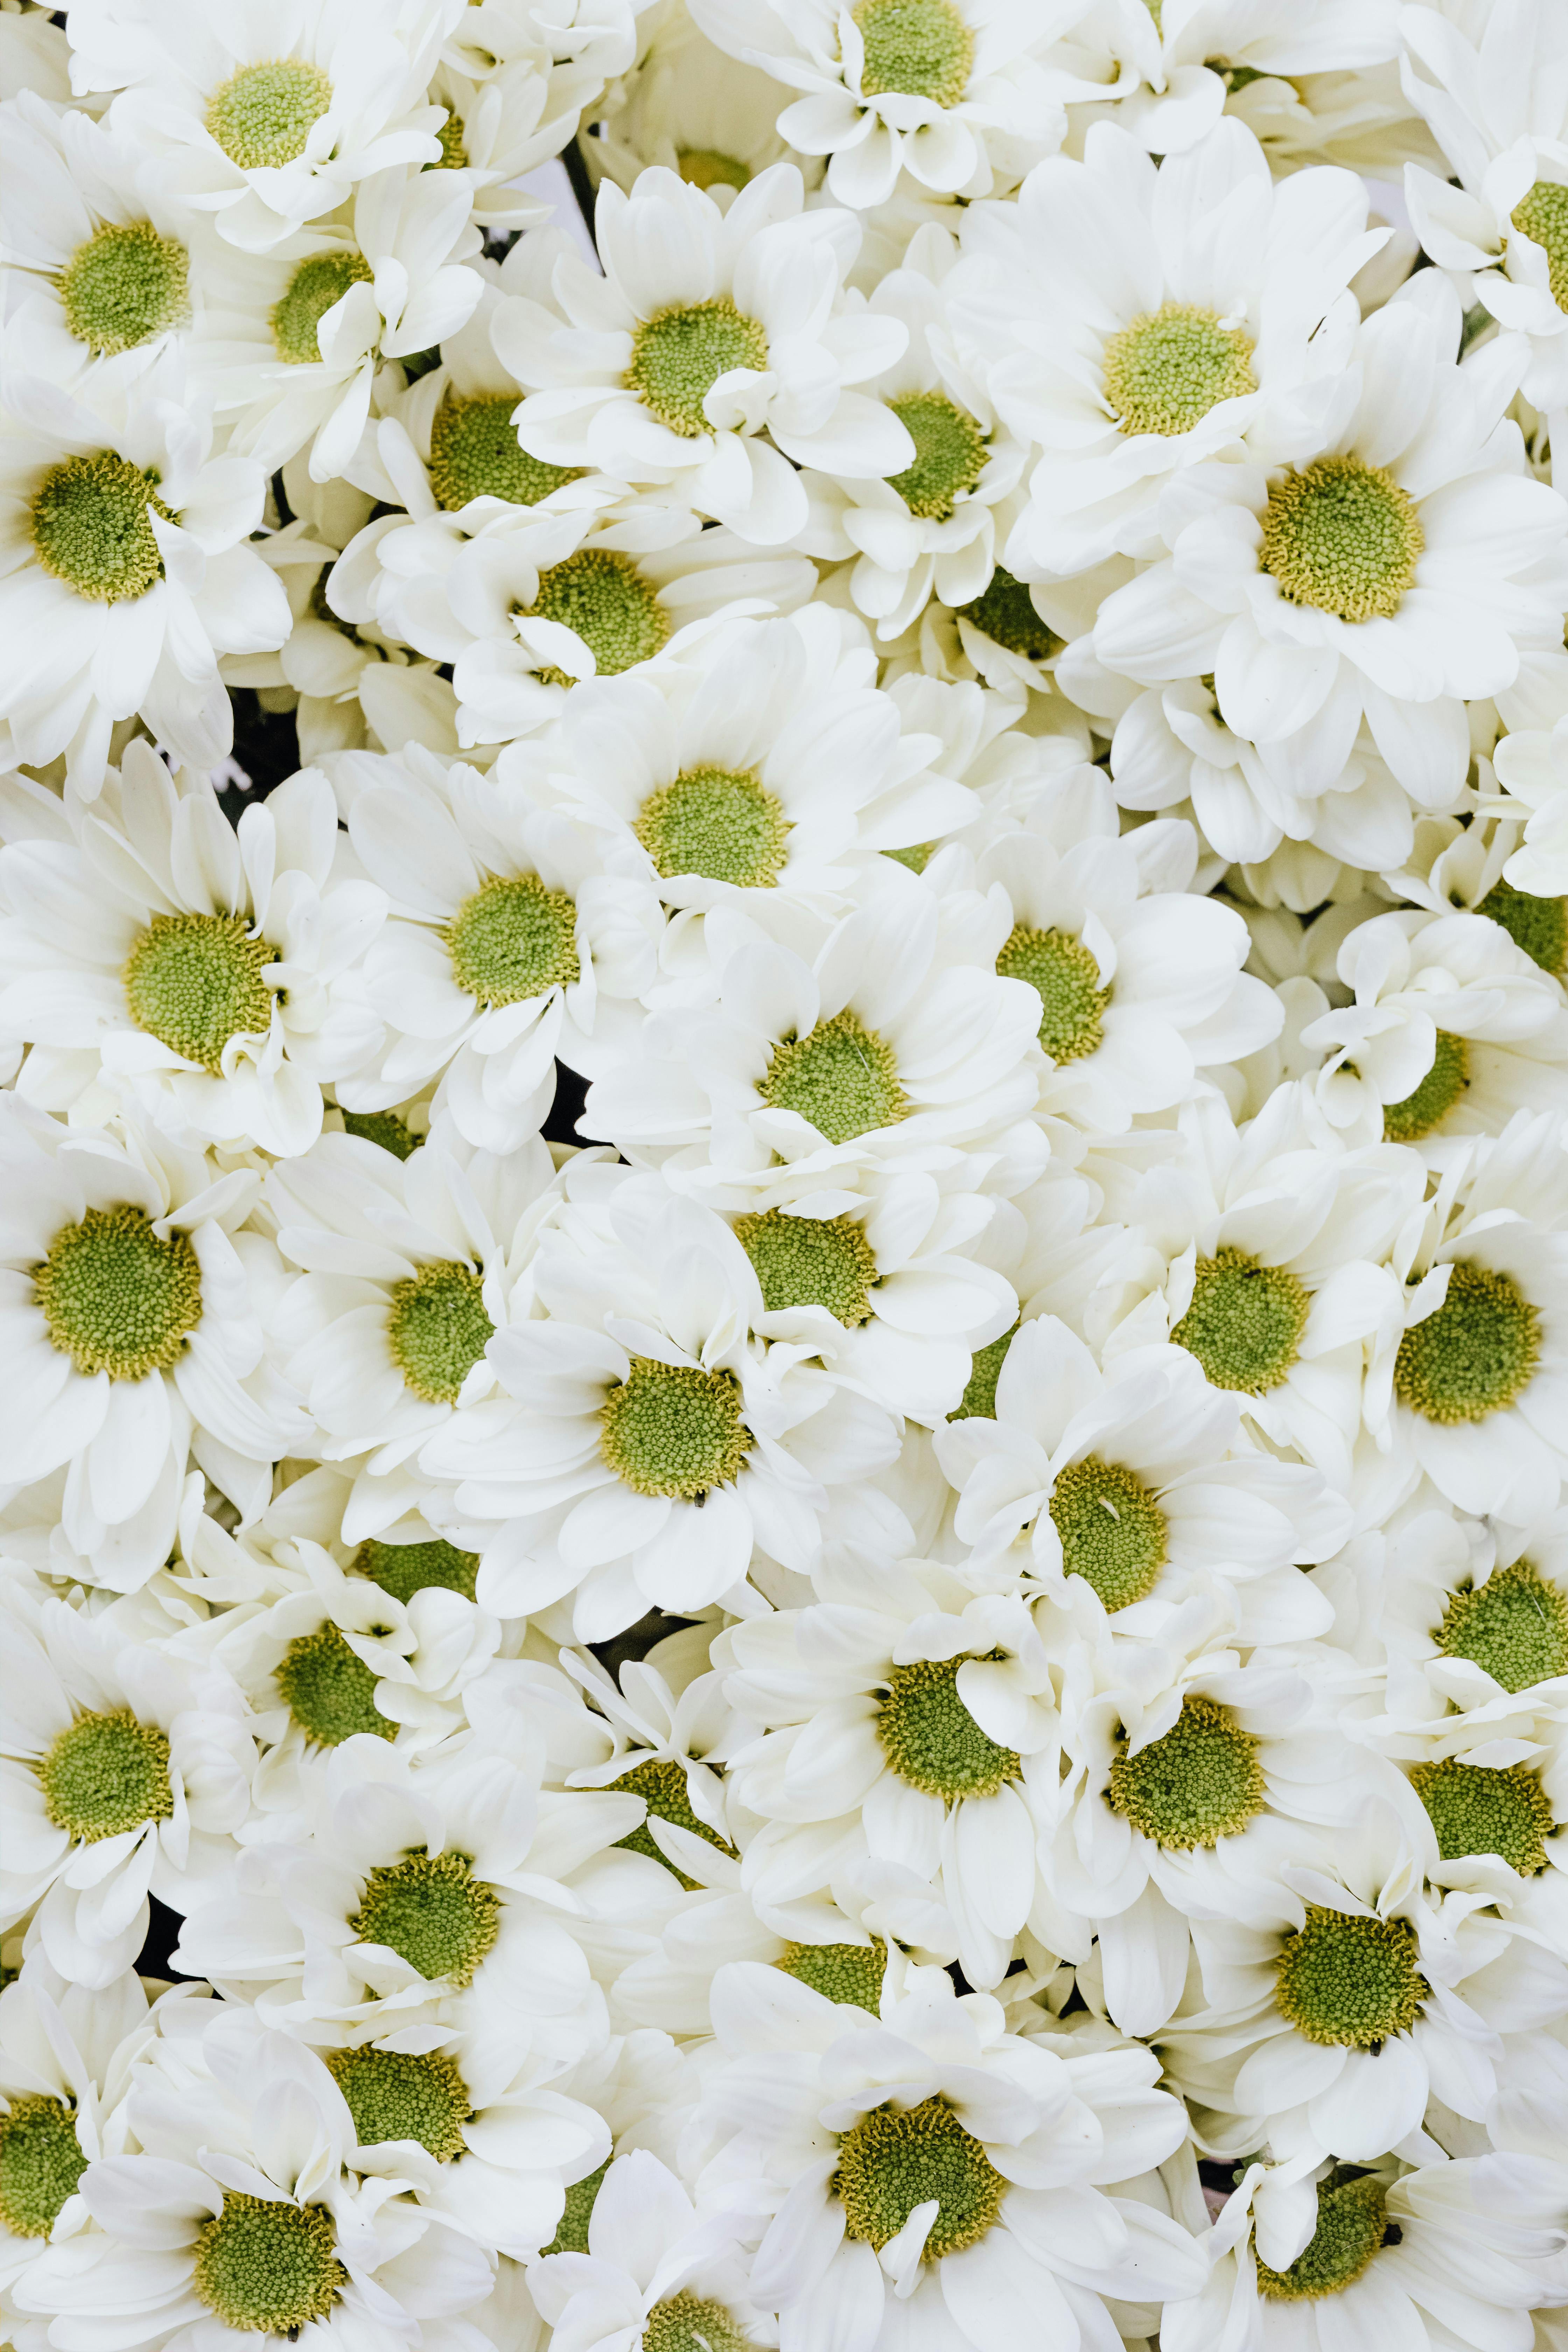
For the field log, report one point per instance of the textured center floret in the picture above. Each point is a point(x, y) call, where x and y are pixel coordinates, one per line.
point(475, 454)
point(513, 940)
point(1245, 1323)
point(602, 595)
point(1542, 216)
point(978, 1401)
point(572, 2237)
point(1427, 1104)
point(123, 285)
point(705, 167)
point(950, 453)
point(1170, 367)
point(1352, 2221)
point(329, 1690)
point(687, 2323)
point(453, 152)
point(195, 980)
point(1475, 1355)
point(438, 1329)
point(679, 354)
point(811, 1262)
point(1065, 977)
point(914, 48)
point(385, 1130)
point(720, 823)
point(1004, 611)
point(1538, 926)
point(1199, 1783)
point(891, 2163)
point(268, 2268)
point(41, 2160)
point(930, 1740)
point(1347, 1982)
point(661, 1785)
point(261, 116)
point(1514, 1627)
point(91, 527)
point(1342, 537)
point(115, 1297)
point(397, 2094)
point(105, 1774)
point(673, 1430)
point(1484, 1809)
point(404, 1569)
point(841, 1078)
point(318, 282)
point(1111, 1529)
point(849, 1974)
point(433, 1912)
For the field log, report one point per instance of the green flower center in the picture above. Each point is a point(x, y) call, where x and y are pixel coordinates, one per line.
point(1429, 1104)
point(1477, 1808)
point(41, 2160)
point(978, 1401)
point(603, 598)
point(841, 1078)
point(930, 1740)
point(849, 1974)
point(91, 527)
point(1514, 1626)
point(705, 167)
point(572, 2237)
point(124, 285)
point(195, 980)
point(1170, 366)
point(439, 1329)
point(1066, 978)
point(268, 2268)
point(811, 1262)
point(304, 302)
point(717, 822)
point(261, 116)
point(454, 153)
point(433, 1912)
point(115, 1298)
point(329, 1690)
point(404, 1569)
point(950, 453)
point(890, 2163)
point(1245, 1323)
point(670, 1429)
point(661, 1785)
point(513, 940)
point(679, 354)
point(105, 1774)
point(474, 454)
point(1542, 216)
point(1346, 1982)
point(1199, 1783)
point(1352, 2222)
point(1342, 537)
point(1112, 1530)
point(385, 1129)
point(685, 2323)
point(397, 2094)
point(1538, 926)
point(1004, 611)
point(1475, 1355)
point(917, 856)
point(915, 48)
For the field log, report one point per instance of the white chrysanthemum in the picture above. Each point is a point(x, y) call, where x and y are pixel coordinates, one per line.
point(1532, 768)
point(692, 110)
point(654, 2272)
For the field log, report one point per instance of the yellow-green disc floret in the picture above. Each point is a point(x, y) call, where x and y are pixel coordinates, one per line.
point(914, 48)
point(384, 1128)
point(674, 1429)
point(513, 938)
point(105, 1773)
point(1348, 1982)
point(849, 1974)
point(661, 1785)
point(1352, 2222)
point(438, 1329)
point(1165, 371)
point(1004, 611)
point(1475, 1355)
point(262, 116)
point(1245, 1322)
point(401, 2095)
point(687, 2322)
point(679, 354)
point(811, 1262)
point(978, 1401)
point(91, 528)
point(950, 453)
point(1514, 1627)
point(433, 1912)
point(404, 1569)
point(720, 823)
point(841, 1078)
point(890, 2163)
point(1428, 1105)
point(572, 2237)
point(705, 167)
point(1198, 1783)
point(41, 2160)
point(475, 454)
point(930, 1740)
point(329, 1690)
point(1112, 1531)
point(1538, 926)
point(601, 594)
point(118, 1297)
point(1486, 1809)
point(1065, 977)
point(319, 281)
point(454, 152)
point(123, 285)
point(1542, 215)
point(195, 981)
point(1345, 537)
point(268, 2268)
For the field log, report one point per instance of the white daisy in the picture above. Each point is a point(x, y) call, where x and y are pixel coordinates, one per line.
point(690, 109)
point(654, 2272)
point(1533, 767)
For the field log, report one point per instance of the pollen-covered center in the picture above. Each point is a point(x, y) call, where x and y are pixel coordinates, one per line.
point(914, 48)
point(679, 354)
point(950, 453)
point(687, 2322)
point(1348, 1982)
point(91, 527)
point(978, 1401)
point(385, 1130)
point(329, 1690)
point(811, 1262)
point(1486, 1809)
point(1245, 1322)
point(404, 1569)
point(118, 1299)
point(1475, 1355)
point(513, 938)
point(41, 2160)
point(1542, 216)
point(1343, 537)
point(123, 285)
point(268, 2268)
point(433, 1912)
point(1170, 367)
point(438, 1329)
point(849, 1974)
point(706, 167)
point(1065, 977)
point(1352, 2222)
point(890, 2163)
point(1538, 926)
point(930, 1740)
point(602, 595)
point(674, 1429)
point(399, 2094)
point(841, 1078)
point(475, 454)
point(1112, 1531)
point(319, 281)
point(661, 1785)
point(720, 823)
point(1004, 611)
point(195, 981)
point(1514, 1627)
point(1427, 1104)
point(105, 1774)
point(1199, 1783)
point(572, 2237)
point(261, 116)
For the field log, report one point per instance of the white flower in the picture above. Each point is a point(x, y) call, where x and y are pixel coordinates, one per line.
point(653, 2267)
point(692, 110)
point(1532, 766)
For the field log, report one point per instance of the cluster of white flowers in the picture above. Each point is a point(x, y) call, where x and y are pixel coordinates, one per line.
point(783, 1382)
